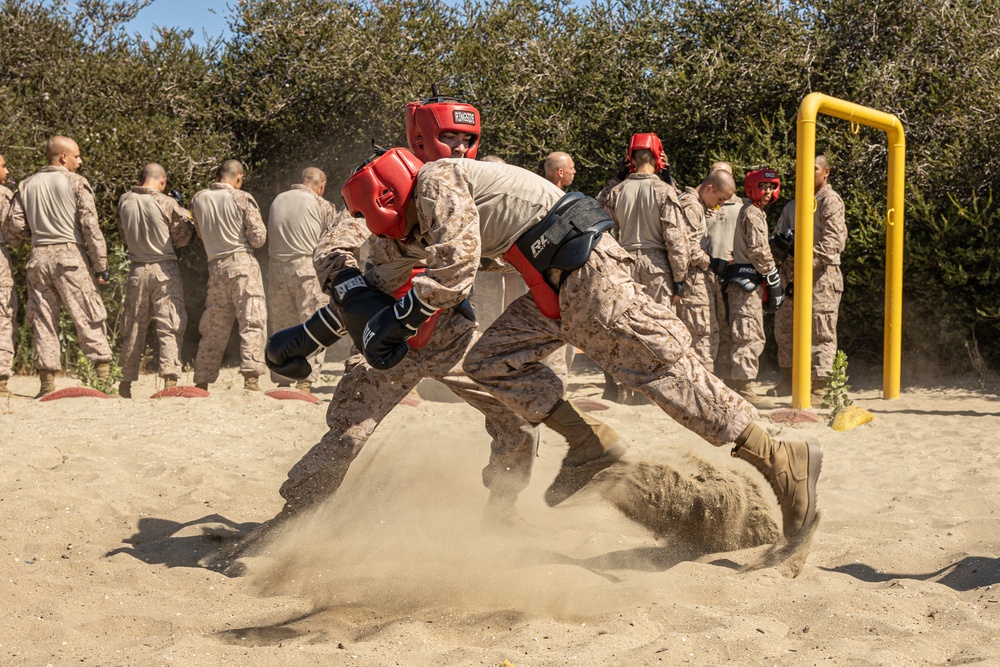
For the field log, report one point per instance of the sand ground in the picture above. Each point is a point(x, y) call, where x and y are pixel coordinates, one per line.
point(108, 507)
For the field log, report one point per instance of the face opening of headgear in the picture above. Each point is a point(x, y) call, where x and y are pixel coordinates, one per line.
point(649, 142)
point(427, 119)
point(380, 189)
point(756, 178)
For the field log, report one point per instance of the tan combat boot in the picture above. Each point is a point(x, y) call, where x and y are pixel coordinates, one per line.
point(304, 385)
point(4, 391)
point(791, 468)
point(784, 386)
point(125, 389)
point(593, 446)
point(250, 383)
point(169, 381)
point(746, 391)
point(201, 385)
point(47, 383)
point(102, 370)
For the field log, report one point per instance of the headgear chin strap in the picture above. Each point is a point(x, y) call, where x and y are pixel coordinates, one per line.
point(754, 180)
point(646, 141)
point(426, 120)
point(380, 189)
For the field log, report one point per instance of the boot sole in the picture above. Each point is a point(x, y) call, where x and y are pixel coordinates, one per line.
point(572, 479)
point(815, 465)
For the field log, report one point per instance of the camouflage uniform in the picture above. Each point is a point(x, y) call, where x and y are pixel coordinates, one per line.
point(695, 308)
point(228, 221)
point(364, 396)
point(295, 223)
point(8, 295)
point(467, 210)
point(829, 240)
point(721, 230)
point(54, 208)
point(152, 225)
point(650, 226)
point(746, 312)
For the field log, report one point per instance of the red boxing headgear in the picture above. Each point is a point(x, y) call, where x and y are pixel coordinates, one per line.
point(426, 120)
point(755, 178)
point(646, 141)
point(380, 189)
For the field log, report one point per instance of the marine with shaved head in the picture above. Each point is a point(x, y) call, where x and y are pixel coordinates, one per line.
point(559, 169)
point(720, 232)
point(8, 295)
point(695, 307)
point(54, 209)
point(152, 224)
point(229, 223)
point(295, 223)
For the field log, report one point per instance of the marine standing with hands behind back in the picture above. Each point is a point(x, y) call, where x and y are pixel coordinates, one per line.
point(54, 209)
point(295, 224)
point(229, 223)
point(152, 224)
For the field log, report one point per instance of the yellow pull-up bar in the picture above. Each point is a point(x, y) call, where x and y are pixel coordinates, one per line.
point(805, 159)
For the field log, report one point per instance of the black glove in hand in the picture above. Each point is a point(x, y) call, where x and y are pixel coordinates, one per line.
point(466, 310)
point(384, 340)
point(680, 289)
point(286, 350)
point(773, 292)
point(103, 275)
point(357, 300)
point(717, 265)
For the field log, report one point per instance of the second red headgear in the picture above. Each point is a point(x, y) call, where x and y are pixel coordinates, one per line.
point(754, 180)
point(380, 189)
point(646, 141)
point(426, 120)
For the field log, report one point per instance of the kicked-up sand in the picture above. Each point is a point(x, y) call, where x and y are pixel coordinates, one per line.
point(110, 508)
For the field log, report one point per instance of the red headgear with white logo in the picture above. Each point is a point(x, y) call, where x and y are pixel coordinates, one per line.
point(426, 120)
point(380, 189)
point(646, 141)
point(754, 180)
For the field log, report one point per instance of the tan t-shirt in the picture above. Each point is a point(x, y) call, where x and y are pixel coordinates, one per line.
point(648, 217)
point(152, 224)
point(721, 226)
point(295, 222)
point(228, 221)
point(53, 206)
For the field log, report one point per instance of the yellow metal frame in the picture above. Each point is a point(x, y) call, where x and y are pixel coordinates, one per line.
point(805, 160)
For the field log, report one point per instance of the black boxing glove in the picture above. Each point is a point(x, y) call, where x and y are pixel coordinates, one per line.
point(717, 265)
point(773, 293)
point(624, 169)
point(384, 339)
point(680, 289)
point(358, 301)
point(103, 275)
point(287, 350)
point(177, 196)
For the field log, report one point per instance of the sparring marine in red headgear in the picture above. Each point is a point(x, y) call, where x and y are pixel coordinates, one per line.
point(380, 189)
point(646, 141)
point(426, 120)
point(754, 180)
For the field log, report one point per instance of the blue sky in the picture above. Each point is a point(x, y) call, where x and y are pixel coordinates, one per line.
point(203, 16)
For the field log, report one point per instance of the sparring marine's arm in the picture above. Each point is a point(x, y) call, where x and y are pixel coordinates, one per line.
point(338, 247)
point(449, 223)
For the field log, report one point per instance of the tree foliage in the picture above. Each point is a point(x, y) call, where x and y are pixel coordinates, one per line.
point(313, 83)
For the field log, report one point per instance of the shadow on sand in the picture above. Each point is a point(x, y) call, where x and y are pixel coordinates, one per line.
point(969, 573)
point(176, 544)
